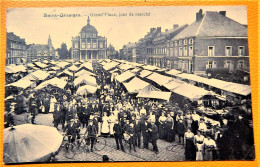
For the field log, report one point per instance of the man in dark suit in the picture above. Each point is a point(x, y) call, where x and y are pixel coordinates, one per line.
point(154, 136)
point(91, 133)
point(144, 130)
point(70, 131)
point(118, 134)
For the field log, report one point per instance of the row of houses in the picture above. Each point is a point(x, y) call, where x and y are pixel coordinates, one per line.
point(212, 41)
point(18, 52)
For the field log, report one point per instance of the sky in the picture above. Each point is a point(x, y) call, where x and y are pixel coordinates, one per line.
point(33, 25)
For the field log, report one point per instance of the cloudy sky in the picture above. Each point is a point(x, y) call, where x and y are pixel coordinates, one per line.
point(30, 23)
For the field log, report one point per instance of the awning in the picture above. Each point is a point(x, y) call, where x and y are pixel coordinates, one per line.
point(15, 68)
point(56, 82)
point(149, 67)
point(73, 68)
point(145, 73)
point(41, 65)
point(87, 79)
point(238, 89)
point(87, 65)
point(153, 93)
point(86, 89)
point(125, 76)
point(191, 92)
point(65, 72)
point(110, 66)
point(22, 83)
point(135, 85)
point(62, 64)
point(173, 72)
point(84, 72)
point(126, 66)
point(159, 79)
point(173, 84)
point(37, 75)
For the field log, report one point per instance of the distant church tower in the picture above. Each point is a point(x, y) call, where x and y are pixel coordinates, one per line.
point(49, 41)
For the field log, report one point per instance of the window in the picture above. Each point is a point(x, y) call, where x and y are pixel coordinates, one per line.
point(175, 52)
point(76, 45)
point(101, 44)
point(241, 51)
point(240, 64)
point(229, 64)
point(185, 51)
point(185, 41)
point(176, 44)
point(211, 64)
point(228, 51)
point(83, 45)
point(211, 51)
point(94, 35)
point(180, 42)
point(180, 51)
point(89, 43)
point(190, 51)
point(171, 52)
point(83, 35)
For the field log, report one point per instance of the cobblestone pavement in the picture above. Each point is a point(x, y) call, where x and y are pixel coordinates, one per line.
point(175, 151)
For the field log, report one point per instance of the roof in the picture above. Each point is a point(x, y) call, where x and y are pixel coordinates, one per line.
point(38, 47)
point(135, 85)
point(89, 29)
point(213, 24)
point(12, 36)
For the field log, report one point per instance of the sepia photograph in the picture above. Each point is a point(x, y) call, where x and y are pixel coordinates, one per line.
point(127, 84)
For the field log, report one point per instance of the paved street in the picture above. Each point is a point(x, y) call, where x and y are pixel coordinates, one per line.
point(176, 153)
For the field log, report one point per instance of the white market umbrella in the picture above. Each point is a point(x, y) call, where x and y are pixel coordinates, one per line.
point(30, 143)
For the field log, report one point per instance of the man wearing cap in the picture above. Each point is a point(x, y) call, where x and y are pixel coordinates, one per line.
point(91, 133)
point(70, 131)
point(118, 134)
point(33, 111)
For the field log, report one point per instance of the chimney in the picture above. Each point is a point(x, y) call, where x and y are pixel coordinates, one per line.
point(199, 15)
point(159, 29)
point(175, 26)
point(223, 13)
point(166, 30)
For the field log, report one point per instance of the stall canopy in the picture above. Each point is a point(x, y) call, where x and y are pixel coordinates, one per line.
point(149, 67)
point(87, 65)
point(86, 79)
point(191, 92)
point(173, 84)
point(37, 75)
point(125, 76)
point(159, 79)
point(62, 64)
point(153, 93)
point(126, 66)
point(55, 68)
point(135, 70)
point(135, 85)
point(238, 89)
point(22, 83)
point(110, 65)
point(41, 65)
point(73, 68)
point(65, 72)
point(84, 72)
point(114, 70)
point(86, 89)
point(173, 72)
point(145, 73)
point(15, 69)
point(56, 82)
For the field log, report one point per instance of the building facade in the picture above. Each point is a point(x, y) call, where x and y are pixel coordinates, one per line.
point(213, 41)
point(157, 53)
point(128, 52)
point(88, 45)
point(41, 52)
point(15, 49)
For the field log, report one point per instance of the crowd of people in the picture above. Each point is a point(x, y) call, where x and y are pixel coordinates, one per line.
point(111, 112)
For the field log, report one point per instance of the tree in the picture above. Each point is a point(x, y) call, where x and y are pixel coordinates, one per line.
point(63, 51)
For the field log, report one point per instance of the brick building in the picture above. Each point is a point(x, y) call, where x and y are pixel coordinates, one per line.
point(212, 41)
point(41, 52)
point(88, 45)
point(15, 49)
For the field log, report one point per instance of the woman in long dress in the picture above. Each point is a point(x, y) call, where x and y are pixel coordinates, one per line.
point(190, 150)
point(112, 120)
point(105, 125)
point(170, 132)
point(199, 143)
point(162, 124)
point(209, 146)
